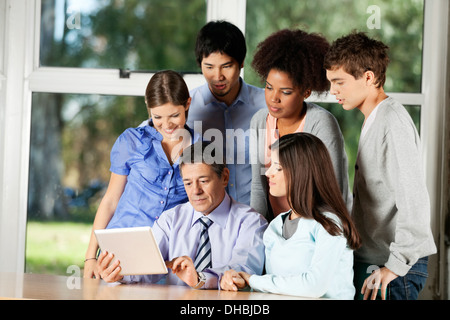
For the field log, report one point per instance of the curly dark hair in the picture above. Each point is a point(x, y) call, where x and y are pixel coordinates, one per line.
point(296, 52)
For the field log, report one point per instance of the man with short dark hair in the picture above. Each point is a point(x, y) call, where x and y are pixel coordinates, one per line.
point(225, 102)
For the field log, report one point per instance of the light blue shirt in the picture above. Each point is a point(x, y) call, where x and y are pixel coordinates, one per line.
point(236, 237)
point(232, 125)
point(153, 185)
point(312, 263)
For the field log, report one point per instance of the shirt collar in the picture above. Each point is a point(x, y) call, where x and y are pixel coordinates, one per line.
point(243, 95)
point(219, 215)
point(370, 119)
point(150, 129)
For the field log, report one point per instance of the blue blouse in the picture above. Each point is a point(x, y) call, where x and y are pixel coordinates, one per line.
point(153, 185)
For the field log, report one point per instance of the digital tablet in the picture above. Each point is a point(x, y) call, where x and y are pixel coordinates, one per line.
point(135, 248)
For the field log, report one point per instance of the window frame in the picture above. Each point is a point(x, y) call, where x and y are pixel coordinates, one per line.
point(20, 75)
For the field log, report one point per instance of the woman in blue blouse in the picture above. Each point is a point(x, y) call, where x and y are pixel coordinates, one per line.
point(309, 249)
point(145, 177)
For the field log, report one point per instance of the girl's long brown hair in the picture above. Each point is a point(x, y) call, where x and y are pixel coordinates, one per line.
point(312, 187)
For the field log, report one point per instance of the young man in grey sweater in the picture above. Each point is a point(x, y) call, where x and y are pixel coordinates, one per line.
point(391, 207)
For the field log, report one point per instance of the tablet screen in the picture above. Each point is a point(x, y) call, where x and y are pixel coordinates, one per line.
point(135, 248)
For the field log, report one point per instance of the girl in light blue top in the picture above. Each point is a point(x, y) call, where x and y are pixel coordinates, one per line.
point(309, 249)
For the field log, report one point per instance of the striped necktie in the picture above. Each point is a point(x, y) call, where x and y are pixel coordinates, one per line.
point(203, 257)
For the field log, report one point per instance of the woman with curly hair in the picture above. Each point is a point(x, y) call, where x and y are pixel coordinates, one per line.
point(291, 64)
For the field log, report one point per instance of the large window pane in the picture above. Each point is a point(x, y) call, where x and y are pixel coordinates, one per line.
point(397, 23)
point(71, 140)
point(133, 34)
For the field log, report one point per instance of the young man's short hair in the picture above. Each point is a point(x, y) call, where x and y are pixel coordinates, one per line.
point(220, 36)
point(356, 53)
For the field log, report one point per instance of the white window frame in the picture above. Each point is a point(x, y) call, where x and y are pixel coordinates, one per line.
point(20, 75)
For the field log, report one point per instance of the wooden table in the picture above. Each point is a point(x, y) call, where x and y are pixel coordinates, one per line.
point(52, 287)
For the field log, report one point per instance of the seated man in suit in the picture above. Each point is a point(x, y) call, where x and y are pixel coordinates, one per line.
point(202, 238)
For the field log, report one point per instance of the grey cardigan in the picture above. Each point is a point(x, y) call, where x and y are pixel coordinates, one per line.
point(318, 122)
point(391, 207)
